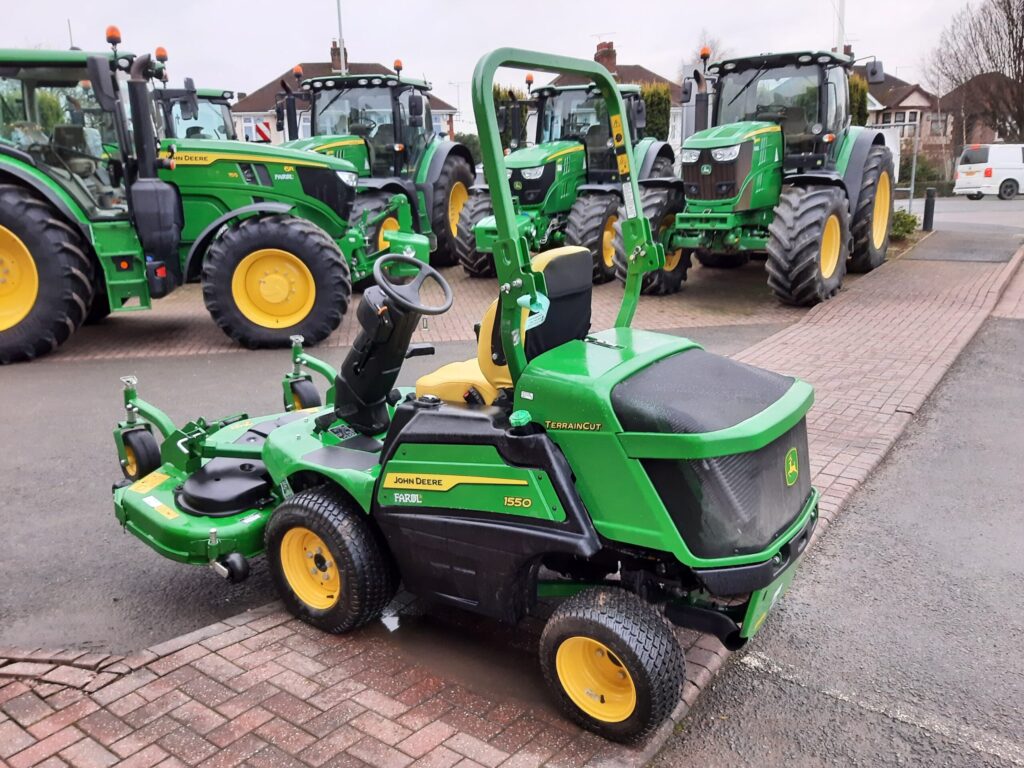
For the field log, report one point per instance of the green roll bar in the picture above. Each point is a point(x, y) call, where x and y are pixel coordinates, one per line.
point(520, 286)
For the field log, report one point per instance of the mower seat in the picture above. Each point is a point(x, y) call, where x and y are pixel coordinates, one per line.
point(568, 272)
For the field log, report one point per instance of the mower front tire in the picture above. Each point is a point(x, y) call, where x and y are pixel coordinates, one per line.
point(451, 193)
point(271, 278)
point(331, 569)
point(660, 205)
point(476, 263)
point(304, 395)
point(591, 224)
point(141, 454)
point(612, 663)
point(872, 220)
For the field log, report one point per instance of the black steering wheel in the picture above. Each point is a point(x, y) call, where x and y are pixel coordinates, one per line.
point(407, 295)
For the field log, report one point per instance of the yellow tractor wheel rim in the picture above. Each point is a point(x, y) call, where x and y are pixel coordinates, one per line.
point(131, 463)
point(595, 679)
point(19, 280)
point(273, 288)
point(456, 200)
point(309, 568)
point(671, 258)
point(608, 241)
point(390, 224)
point(829, 257)
point(880, 213)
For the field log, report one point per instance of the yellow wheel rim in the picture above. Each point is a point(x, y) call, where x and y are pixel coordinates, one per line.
point(829, 257)
point(309, 568)
point(273, 288)
point(595, 679)
point(456, 200)
point(608, 241)
point(19, 280)
point(880, 213)
point(390, 224)
point(671, 258)
point(131, 463)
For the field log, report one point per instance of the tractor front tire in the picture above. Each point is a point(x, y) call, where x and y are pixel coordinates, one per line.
point(662, 168)
point(872, 220)
point(331, 568)
point(660, 206)
point(270, 278)
point(476, 263)
point(46, 277)
point(591, 224)
point(612, 663)
point(373, 204)
point(807, 245)
point(713, 260)
point(451, 193)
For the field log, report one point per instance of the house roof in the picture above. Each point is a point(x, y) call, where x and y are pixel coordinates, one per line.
point(964, 98)
point(262, 99)
point(634, 74)
point(893, 91)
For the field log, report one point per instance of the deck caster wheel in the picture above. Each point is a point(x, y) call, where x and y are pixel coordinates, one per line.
point(612, 663)
point(304, 395)
point(141, 454)
point(233, 567)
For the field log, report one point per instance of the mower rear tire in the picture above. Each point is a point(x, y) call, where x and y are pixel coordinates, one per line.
point(660, 206)
point(141, 454)
point(807, 245)
point(612, 663)
point(451, 193)
point(872, 220)
point(331, 568)
point(476, 263)
point(271, 278)
point(46, 276)
point(304, 395)
point(721, 260)
point(591, 224)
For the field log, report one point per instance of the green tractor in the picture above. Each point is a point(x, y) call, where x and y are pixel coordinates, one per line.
point(382, 125)
point(781, 171)
point(554, 464)
point(191, 113)
point(97, 214)
point(566, 184)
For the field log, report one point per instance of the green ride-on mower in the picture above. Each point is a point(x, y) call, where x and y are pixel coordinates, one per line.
point(98, 213)
point(381, 123)
point(781, 171)
point(566, 183)
point(557, 463)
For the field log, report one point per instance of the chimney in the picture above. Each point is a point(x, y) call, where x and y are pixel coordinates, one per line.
point(335, 57)
point(605, 56)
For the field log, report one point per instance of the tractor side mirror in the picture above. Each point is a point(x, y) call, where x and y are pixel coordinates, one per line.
point(875, 72)
point(416, 109)
point(279, 116)
point(687, 90)
point(516, 123)
point(502, 119)
point(640, 115)
point(190, 105)
point(102, 83)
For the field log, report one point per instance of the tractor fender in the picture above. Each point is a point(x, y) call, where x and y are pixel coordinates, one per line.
point(26, 179)
point(670, 183)
point(854, 175)
point(195, 253)
point(397, 186)
point(583, 189)
point(817, 178)
point(444, 149)
point(654, 151)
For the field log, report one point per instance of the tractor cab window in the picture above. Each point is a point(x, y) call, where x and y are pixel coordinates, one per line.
point(572, 115)
point(364, 112)
point(212, 121)
point(52, 114)
point(786, 95)
point(837, 100)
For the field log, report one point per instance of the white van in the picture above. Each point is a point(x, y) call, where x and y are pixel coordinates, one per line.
point(990, 169)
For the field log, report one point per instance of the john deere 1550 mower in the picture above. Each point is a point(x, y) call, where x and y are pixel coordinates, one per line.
point(97, 214)
point(566, 184)
point(782, 171)
point(555, 463)
point(382, 124)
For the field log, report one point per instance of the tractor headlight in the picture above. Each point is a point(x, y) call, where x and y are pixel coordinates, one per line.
point(348, 178)
point(508, 174)
point(725, 154)
point(689, 155)
point(531, 174)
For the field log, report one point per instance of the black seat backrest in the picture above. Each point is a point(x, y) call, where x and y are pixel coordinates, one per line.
point(568, 272)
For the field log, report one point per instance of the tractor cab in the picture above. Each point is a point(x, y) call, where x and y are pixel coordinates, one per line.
point(190, 113)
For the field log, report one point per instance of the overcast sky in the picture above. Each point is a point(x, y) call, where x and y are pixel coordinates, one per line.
point(241, 44)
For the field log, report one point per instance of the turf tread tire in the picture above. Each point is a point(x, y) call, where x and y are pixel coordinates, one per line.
point(455, 169)
point(658, 202)
point(475, 263)
point(585, 227)
point(146, 450)
point(865, 256)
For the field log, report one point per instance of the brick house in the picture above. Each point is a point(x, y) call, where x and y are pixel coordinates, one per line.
point(254, 112)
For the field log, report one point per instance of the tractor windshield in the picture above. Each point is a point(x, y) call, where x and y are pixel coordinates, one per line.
point(571, 115)
point(786, 95)
point(52, 114)
point(212, 121)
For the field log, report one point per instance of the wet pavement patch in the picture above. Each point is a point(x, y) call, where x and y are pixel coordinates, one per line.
point(965, 246)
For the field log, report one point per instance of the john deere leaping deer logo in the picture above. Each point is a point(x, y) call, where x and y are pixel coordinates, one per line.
point(792, 467)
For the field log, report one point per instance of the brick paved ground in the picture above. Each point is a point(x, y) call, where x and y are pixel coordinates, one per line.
point(263, 689)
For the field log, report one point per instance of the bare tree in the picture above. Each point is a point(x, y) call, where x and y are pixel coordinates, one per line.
point(980, 58)
point(705, 39)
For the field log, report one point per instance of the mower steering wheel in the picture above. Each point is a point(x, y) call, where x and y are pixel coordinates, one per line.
point(407, 295)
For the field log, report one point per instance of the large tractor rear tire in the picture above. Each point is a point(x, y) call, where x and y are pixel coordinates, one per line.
point(660, 205)
point(476, 263)
point(873, 218)
point(45, 277)
point(271, 278)
point(807, 245)
point(373, 203)
point(713, 260)
point(451, 193)
point(591, 223)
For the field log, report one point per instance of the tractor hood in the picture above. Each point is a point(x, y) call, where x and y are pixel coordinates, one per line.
point(539, 154)
point(727, 135)
point(351, 148)
point(208, 151)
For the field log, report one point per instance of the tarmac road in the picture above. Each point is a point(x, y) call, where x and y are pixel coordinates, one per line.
point(69, 576)
point(900, 641)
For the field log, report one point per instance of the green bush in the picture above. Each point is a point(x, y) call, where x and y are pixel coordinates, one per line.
point(658, 98)
point(859, 100)
point(903, 225)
